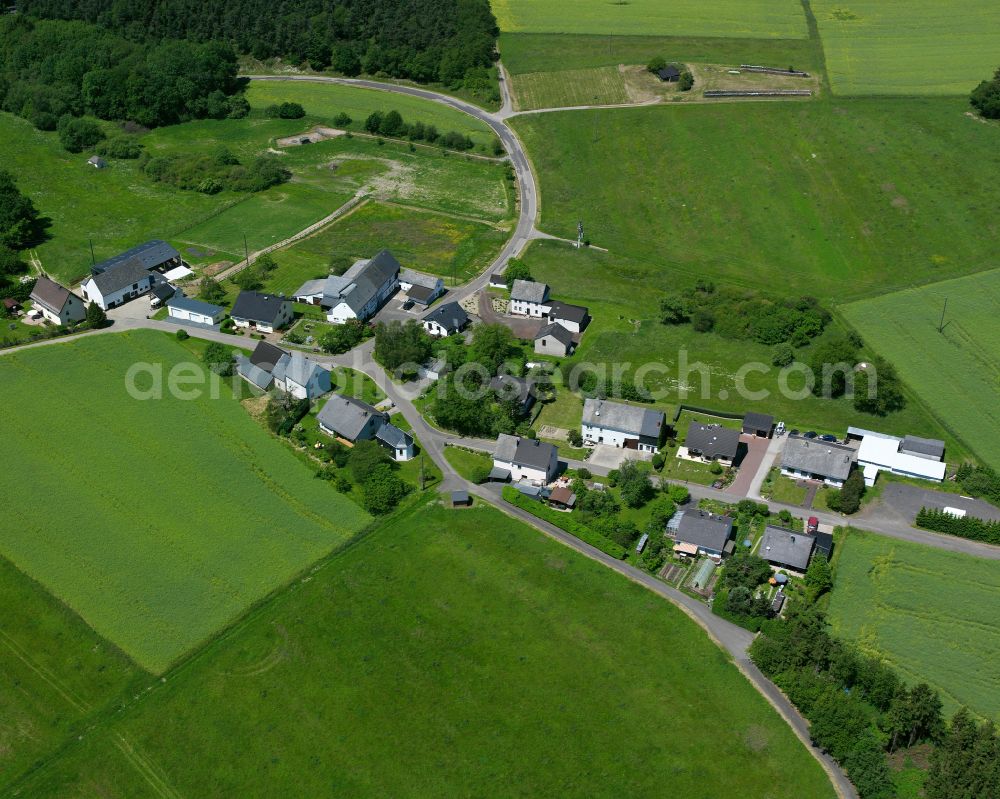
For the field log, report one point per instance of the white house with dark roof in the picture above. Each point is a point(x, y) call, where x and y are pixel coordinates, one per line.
point(528, 459)
point(263, 312)
point(445, 320)
point(155, 255)
point(117, 284)
point(814, 459)
point(573, 317)
point(786, 549)
point(554, 339)
point(712, 442)
point(352, 420)
point(295, 374)
point(358, 293)
point(699, 532)
point(910, 456)
point(528, 298)
point(622, 425)
point(422, 289)
point(57, 303)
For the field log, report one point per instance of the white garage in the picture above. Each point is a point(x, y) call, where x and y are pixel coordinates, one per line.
point(194, 312)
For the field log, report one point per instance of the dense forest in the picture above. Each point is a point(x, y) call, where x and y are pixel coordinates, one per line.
point(52, 71)
point(451, 41)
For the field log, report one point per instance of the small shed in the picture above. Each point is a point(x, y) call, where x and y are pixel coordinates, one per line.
point(669, 74)
point(97, 162)
point(460, 499)
point(562, 497)
point(11, 305)
point(758, 424)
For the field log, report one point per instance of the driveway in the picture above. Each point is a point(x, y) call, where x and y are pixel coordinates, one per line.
point(136, 310)
point(522, 327)
point(753, 458)
point(604, 456)
point(900, 502)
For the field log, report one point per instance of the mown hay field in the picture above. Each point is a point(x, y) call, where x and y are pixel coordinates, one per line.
point(918, 47)
point(158, 521)
point(592, 86)
point(452, 653)
point(754, 18)
point(934, 615)
point(955, 371)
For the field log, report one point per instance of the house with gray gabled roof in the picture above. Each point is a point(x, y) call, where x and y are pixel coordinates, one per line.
point(573, 317)
point(57, 303)
point(814, 459)
point(712, 442)
point(703, 533)
point(446, 319)
point(554, 339)
point(622, 425)
point(528, 459)
point(264, 312)
point(301, 377)
point(358, 293)
point(117, 284)
point(786, 549)
point(151, 255)
point(398, 442)
point(352, 420)
point(422, 289)
point(258, 368)
point(529, 298)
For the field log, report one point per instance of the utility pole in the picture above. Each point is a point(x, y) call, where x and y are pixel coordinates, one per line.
point(579, 234)
point(941, 323)
point(421, 471)
point(246, 250)
point(92, 259)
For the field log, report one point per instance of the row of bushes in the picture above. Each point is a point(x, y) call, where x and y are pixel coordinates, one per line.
point(964, 527)
point(393, 125)
point(210, 174)
point(563, 521)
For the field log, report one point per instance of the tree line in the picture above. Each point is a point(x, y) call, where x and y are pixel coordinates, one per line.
point(963, 527)
point(53, 70)
point(859, 710)
point(393, 125)
point(985, 98)
point(451, 41)
point(21, 227)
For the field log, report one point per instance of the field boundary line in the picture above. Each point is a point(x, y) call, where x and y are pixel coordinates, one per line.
point(48, 677)
point(146, 768)
point(503, 228)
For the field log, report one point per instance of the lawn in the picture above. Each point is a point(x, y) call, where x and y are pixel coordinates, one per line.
point(422, 240)
point(922, 47)
point(324, 101)
point(158, 521)
point(932, 614)
point(552, 52)
point(591, 86)
point(55, 671)
point(699, 369)
point(851, 198)
point(753, 18)
point(450, 653)
point(956, 372)
point(466, 463)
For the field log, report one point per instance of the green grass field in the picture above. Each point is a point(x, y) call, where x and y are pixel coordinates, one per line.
point(932, 614)
point(55, 671)
point(841, 199)
point(590, 86)
point(157, 521)
point(421, 240)
point(467, 463)
point(956, 372)
point(922, 47)
point(449, 653)
point(323, 101)
point(626, 330)
point(734, 18)
point(552, 52)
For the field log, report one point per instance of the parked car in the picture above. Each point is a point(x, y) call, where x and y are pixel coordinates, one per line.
point(828, 437)
point(780, 429)
point(810, 434)
point(793, 432)
point(812, 525)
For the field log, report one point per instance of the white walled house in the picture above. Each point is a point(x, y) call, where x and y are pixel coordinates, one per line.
point(57, 303)
point(814, 459)
point(572, 317)
point(554, 339)
point(196, 312)
point(910, 456)
point(295, 374)
point(352, 420)
point(422, 289)
point(358, 293)
point(621, 425)
point(528, 298)
point(398, 442)
point(118, 284)
point(264, 312)
point(526, 459)
point(445, 320)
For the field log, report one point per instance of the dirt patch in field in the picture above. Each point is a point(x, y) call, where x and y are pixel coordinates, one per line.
point(255, 406)
point(888, 188)
point(899, 201)
point(316, 134)
point(214, 268)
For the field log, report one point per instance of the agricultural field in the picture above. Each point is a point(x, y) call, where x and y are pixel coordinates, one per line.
point(956, 370)
point(626, 330)
point(728, 18)
point(919, 48)
point(323, 101)
point(591, 86)
point(841, 198)
point(55, 671)
point(931, 613)
point(428, 242)
point(506, 665)
point(554, 52)
point(158, 521)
